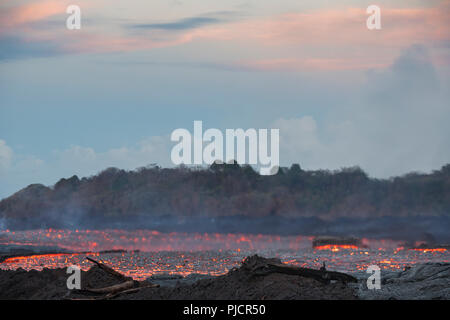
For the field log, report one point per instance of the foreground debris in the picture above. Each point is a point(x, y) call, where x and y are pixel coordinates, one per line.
point(249, 283)
point(126, 286)
point(258, 278)
point(259, 266)
point(109, 270)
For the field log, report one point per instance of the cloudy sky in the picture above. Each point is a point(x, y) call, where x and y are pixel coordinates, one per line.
point(110, 94)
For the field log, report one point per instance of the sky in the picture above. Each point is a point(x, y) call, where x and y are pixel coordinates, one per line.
point(111, 93)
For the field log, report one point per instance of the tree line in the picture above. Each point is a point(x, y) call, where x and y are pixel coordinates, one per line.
point(230, 190)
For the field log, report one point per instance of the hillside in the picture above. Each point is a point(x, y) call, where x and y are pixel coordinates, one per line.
point(225, 191)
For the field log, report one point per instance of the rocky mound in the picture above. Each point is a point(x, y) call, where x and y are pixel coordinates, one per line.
point(426, 281)
point(244, 284)
point(240, 283)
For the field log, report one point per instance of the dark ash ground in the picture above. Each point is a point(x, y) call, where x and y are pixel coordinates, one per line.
point(428, 281)
point(237, 284)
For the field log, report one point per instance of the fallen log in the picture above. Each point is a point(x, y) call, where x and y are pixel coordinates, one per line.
point(261, 266)
point(320, 275)
point(134, 290)
point(127, 286)
point(109, 270)
point(112, 295)
point(112, 289)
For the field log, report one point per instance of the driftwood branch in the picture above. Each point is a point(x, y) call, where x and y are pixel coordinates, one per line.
point(134, 290)
point(261, 266)
point(128, 285)
point(112, 289)
point(109, 270)
point(320, 275)
point(112, 295)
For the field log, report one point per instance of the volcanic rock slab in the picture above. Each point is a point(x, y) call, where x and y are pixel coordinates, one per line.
point(426, 281)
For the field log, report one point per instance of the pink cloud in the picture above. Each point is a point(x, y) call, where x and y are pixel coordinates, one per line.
point(348, 27)
point(340, 40)
point(15, 16)
point(323, 40)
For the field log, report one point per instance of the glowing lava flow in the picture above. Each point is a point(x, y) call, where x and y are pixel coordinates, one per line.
point(149, 240)
point(47, 256)
point(430, 250)
point(336, 247)
point(142, 253)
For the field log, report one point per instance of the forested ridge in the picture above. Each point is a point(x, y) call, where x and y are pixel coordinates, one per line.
point(231, 190)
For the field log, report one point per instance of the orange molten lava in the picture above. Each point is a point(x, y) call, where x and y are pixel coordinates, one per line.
point(430, 250)
point(42, 256)
point(336, 247)
point(143, 253)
